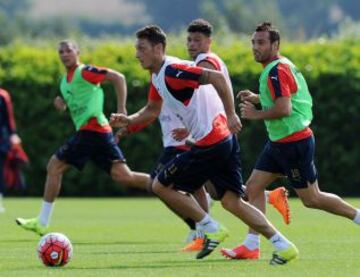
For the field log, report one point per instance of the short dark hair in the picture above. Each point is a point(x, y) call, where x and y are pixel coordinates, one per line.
point(152, 33)
point(274, 33)
point(200, 25)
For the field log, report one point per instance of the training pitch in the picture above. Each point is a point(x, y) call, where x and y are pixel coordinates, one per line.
point(140, 237)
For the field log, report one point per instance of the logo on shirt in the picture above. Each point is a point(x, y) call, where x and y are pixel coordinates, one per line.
point(178, 74)
point(274, 78)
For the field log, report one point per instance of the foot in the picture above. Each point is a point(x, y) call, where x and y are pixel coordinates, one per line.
point(32, 224)
point(284, 256)
point(241, 253)
point(278, 198)
point(195, 245)
point(211, 241)
point(191, 236)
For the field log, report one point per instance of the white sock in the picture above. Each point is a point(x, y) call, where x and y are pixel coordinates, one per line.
point(207, 224)
point(279, 241)
point(357, 217)
point(252, 241)
point(45, 213)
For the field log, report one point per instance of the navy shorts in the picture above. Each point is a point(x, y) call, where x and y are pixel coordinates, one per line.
point(219, 163)
point(168, 154)
point(87, 145)
point(293, 159)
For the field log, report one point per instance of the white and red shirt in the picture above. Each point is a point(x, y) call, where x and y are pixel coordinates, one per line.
point(198, 108)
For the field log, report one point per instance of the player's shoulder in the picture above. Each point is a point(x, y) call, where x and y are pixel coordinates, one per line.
point(94, 69)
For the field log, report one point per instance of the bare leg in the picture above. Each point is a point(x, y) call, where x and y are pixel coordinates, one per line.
point(121, 173)
point(313, 198)
point(200, 197)
point(55, 171)
point(255, 189)
point(250, 215)
point(179, 202)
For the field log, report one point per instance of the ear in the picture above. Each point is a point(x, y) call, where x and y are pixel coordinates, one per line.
point(159, 48)
point(275, 45)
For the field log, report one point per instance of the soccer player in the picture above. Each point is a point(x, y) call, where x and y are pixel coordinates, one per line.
point(199, 41)
point(287, 112)
point(93, 140)
point(8, 137)
point(210, 117)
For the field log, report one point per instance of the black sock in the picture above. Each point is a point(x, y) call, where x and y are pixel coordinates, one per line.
point(191, 223)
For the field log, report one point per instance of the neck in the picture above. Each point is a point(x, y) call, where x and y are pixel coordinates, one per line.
point(273, 58)
point(72, 67)
point(157, 66)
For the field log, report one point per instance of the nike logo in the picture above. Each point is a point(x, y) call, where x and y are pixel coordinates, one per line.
point(178, 74)
point(273, 77)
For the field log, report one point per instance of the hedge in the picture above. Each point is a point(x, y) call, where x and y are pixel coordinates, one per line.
point(31, 73)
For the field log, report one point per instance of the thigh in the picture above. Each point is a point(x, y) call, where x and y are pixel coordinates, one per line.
point(297, 159)
point(56, 166)
point(259, 179)
point(186, 172)
point(228, 174)
point(75, 151)
point(167, 155)
point(267, 161)
point(106, 152)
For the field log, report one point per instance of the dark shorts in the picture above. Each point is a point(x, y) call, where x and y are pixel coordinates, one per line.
point(168, 154)
point(87, 145)
point(219, 164)
point(293, 159)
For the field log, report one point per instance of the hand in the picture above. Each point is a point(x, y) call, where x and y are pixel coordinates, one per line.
point(247, 95)
point(59, 103)
point(122, 132)
point(234, 123)
point(119, 120)
point(15, 139)
point(122, 110)
point(179, 134)
point(248, 110)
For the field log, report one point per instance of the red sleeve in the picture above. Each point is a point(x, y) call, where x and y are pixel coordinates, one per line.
point(154, 94)
point(94, 74)
point(281, 81)
point(181, 76)
point(213, 61)
point(9, 113)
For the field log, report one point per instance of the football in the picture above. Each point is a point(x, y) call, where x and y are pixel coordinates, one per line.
point(54, 249)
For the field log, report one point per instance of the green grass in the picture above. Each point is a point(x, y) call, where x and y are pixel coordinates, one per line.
point(140, 237)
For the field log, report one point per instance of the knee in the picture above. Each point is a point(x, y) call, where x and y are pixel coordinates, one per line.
point(122, 177)
point(252, 190)
point(312, 202)
point(157, 188)
point(229, 203)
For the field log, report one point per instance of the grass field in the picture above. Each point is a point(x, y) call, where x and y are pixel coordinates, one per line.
point(140, 237)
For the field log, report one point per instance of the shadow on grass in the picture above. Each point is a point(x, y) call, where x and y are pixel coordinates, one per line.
point(120, 242)
point(161, 264)
point(18, 240)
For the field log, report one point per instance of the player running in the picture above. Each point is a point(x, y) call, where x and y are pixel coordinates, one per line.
point(210, 117)
point(287, 113)
point(93, 140)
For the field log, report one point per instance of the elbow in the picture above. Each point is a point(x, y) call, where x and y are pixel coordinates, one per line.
point(287, 111)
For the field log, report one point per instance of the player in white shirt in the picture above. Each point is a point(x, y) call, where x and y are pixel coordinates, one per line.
point(215, 155)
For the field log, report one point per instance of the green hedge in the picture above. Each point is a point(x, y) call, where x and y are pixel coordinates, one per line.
point(31, 74)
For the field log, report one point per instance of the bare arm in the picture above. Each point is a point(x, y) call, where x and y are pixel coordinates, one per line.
point(217, 79)
point(119, 82)
point(282, 108)
point(145, 115)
